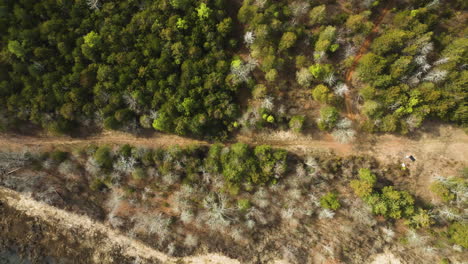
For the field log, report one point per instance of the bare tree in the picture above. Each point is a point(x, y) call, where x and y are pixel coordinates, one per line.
point(249, 38)
point(93, 4)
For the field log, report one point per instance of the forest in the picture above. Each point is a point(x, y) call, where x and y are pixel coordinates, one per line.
point(188, 67)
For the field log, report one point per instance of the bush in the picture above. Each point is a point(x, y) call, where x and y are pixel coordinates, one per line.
point(125, 151)
point(103, 157)
point(330, 201)
point(392, 203)
point(243, 204)
point(272, 164)
point(139, 174)
point(459, 234)
point(322, 94)
point(442, 191)
point(296, 123)
point(328, 118)
point(58, 156)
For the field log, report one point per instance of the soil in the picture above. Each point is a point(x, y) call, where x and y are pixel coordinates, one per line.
point(41, 231)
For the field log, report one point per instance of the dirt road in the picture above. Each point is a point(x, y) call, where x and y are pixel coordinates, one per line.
point(438, 140)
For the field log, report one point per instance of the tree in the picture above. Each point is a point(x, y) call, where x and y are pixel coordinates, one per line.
point(458, 232)
point(371, 67)
point(326, 39)
point(103, 157)
point(16, 48)
point(390, 41)
point(328, 118)
point(304, 77)
point(317, 15)
point(287, 41)
point(322, 94)
point(296, 123)
point(364, 186)
point(203, 11)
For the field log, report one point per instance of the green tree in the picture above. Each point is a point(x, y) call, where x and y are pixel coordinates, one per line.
point(330, 201)
point(103, 157)
point(317, 15)
point(328, 118)
point(287, 41)
point(203, 11)
point(16, 48)
point(297, 123)
point(458, 232)
point(322, 94)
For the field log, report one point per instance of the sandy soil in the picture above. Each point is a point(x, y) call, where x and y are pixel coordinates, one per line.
point(63, 220)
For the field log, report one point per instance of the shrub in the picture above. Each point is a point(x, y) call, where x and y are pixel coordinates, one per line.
point(421, 219)
point(243, 204)
point(322, 94)
point(392, 203)
point(272, 164)
point(364, 186)
point(103, 157)
point(442, 191)
point(238, 163)
point(328, 118)
point(139, 174)
point(330, 201)
point(459, 234)
point(125, 150)
point(58, 156)
point(296, 123)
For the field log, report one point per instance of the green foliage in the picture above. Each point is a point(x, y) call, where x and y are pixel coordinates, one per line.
point(16, 48)
point(392, 203)
point(458, 233)
point(271, 75)
point(139, 174)
point(421, 219)
point(328, 117)
point(58, 156)
point(103, 157)
point(243, 204)
point(317, 15)
point(442, 191)
point(389, 41)
point(323, 94)
point(170, 57)
point(320, 71)
point(203, 11)
point(238, 163)
point(330, 201)
point(125, 151)
point(326, 39)
point(297, 123)
point(213, 159)
point(272, 164)
point(371, 67)
point(287, 41)
point(92, 39)
point(364, 186)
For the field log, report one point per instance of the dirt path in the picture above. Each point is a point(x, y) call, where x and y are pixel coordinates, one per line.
point(107, 242)
point(447, 141)
point(363, 50)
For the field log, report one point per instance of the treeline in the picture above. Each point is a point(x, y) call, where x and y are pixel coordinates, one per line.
point(125, 64)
